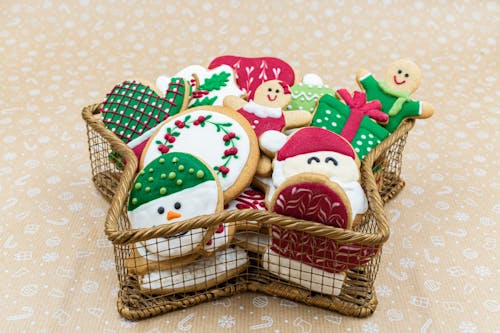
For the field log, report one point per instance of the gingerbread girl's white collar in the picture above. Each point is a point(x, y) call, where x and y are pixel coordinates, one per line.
point(262, 111)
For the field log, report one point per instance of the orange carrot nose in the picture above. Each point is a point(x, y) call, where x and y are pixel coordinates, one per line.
point(173, 215)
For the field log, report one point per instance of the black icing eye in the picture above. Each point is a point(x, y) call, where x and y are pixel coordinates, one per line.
point(407, 75)
point(400, 71)
point(177, 205)
point(331, 159)
point(311, 159)
point(277, 91)
point(161, 210)
point(270, 89)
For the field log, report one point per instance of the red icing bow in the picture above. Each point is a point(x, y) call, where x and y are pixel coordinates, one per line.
point(360, 108)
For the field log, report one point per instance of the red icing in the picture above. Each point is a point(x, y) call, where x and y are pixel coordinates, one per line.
point(250, 198)
point(398, 82)
point(261, 125)
point(316, 202)
point(272, 99)
point(312, 139)
point(252, 72)
point(360, 108)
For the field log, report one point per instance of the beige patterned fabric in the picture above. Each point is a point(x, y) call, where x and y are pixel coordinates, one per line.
point(439, 270)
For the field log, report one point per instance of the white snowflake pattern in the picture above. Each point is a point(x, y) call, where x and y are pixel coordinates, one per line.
point(9, 156)
point(462, 217)
point(50, 256)
point(482, 271)
point(75, 206)
point(468, 327)
point(417, 190)
point(107, 265)
point(407, 262)
point(383, 290)
point(370, 327)
point(227, 321)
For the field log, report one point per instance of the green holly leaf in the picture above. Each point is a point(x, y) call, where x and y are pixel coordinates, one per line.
point(158, 142)
point(215, 82)
point(204, 101)
point(224, 157)
point(227, 143)
point(176, 134)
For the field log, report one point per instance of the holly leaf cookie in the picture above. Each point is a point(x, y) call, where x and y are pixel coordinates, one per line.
point(220, 137)
point(353, 121)
point(305, 94)
point(211, 85)
point(172, 188)
point(132, 109)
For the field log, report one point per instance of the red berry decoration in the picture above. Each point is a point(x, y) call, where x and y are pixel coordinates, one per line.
point(164, 149)
point(180, 124)
point(224, 170)
point(220, 228)
point(231, 151)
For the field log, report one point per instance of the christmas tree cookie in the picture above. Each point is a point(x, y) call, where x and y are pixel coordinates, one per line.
point(210, 85)
point(133, 108)
point(401, 80)
point(352, 120)
point(170, 189)
point(305, 95)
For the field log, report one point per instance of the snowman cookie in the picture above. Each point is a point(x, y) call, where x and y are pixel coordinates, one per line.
point(133, 108)
point(202, 274)
point(170, 189)
point(222, 138)
point(210, 85)
point(305, 95)
point(401, 80)
point(322, 152)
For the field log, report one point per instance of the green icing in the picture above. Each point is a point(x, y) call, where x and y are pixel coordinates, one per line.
point(132, 108)
point(163, 185)
point(305, 97)
point(215, 82)
point(408, 108)
point(332, 115)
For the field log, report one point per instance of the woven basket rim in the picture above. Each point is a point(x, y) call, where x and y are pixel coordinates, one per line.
point(119, 201)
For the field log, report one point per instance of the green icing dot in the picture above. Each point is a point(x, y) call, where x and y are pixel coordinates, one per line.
point(181, 167)
point(147, 189)
point(172, 175)
point(138, 186)
point(175, 160)
point(163, 190)
point(142, 172)
point(134, 201)
point(191, 170)
point(200, 174)
point(161, 160)
point(179, 182)
point(163, 176)
point(151, 170)
point(150, 179)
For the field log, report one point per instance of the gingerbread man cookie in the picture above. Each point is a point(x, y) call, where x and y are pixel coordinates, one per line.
point(401, 80)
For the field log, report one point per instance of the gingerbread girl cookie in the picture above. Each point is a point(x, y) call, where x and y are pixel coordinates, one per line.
point(401, 80)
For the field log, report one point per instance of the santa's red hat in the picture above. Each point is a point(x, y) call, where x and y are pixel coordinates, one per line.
point(313, 139)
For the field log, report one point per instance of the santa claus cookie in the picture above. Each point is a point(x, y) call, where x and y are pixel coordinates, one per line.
point(322, 152)
point(201, 274)
point(297, 256)
point(172, 188)
point(210, 85)
point(133, 108)
point(222, 139)
point(305, 94)
point(401, 80)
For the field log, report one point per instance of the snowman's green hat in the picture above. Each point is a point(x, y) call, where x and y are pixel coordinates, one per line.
point(167, 174)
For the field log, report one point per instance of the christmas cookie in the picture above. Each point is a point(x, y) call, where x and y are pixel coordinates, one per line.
point(202, 274)
point(401, 80)
point(212, 85)
point(252, 72)
point(352, 120)
point(305, 94)
point(250, 198)
point(133, 108)
point(322, 152)
point(220, 137)
point(172, 188)
point(298, 256)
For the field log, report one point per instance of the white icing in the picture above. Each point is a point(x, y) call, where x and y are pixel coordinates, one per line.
point(197, 273)
point(162, 83)
point(312, 79)
point(230, 89)
point(302, 274)
point(262, 111)
point(218, 239)
point(272, 140)
point(199, 200)
point(205, 143)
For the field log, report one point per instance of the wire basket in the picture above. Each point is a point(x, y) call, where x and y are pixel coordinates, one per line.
point(342, 281)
